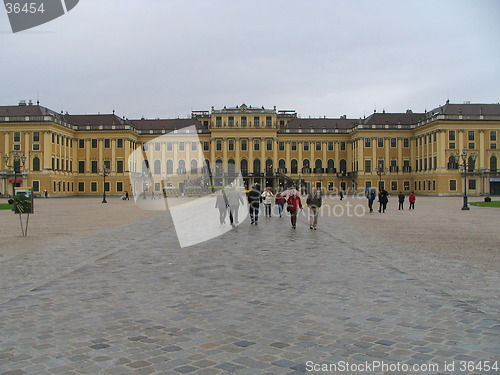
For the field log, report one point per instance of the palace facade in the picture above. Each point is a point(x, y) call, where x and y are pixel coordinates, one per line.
point(66, 154)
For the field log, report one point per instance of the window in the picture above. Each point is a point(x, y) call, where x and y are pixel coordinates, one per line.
point(493, 163)
point(119, 166)
point(145, 146)
point(170, 167)
point(157, 167)
point(81, 187)
point(107, 143)
point(306, 146)
point(206, 146)
point(471, 135)
point(94, 166)
point(181, 146)
point(281, 146)
point(36, 146)
point(94, 143)
point(330, 146)
point(36, 136)
point(295, 166)
point(243, 121)
point(318, 146)
point(269, 121)
point(451, 136)
point(393, 142)
point(330, 185)
point(93, 186)
point(472, 145)
point(218, 121)
point(170, 146)
point(194, 146)
point(17, 136)
point(394, 185)
point(119, 186)
point(472, 184)
point(256, 166)
point(269, 145)
point(493, 135)
point(230, 121)
point(231, 145)
point(256, 145)
point(119, 143)
point(81, 143)
point(342, 146)
point(453, 185)
point(406, 142)
point(451, 145)
point(493, 146)
point(368, 142)
point(81, 166)
point(406, 185)
point(380, 142)
point(157, 146)
point(218, 145)
point(368, 165)
point(256, 121)
point(36, 164)
point(244, 166)
point(294, 146)
point(106, 186)
point(107, 164)
point(244, 145)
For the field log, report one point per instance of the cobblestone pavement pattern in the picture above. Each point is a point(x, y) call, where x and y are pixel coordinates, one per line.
point(258, 300)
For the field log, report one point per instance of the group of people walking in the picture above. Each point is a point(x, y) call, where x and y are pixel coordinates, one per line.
point(383, 199)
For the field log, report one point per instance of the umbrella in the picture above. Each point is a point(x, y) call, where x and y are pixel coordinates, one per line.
point(291, 192)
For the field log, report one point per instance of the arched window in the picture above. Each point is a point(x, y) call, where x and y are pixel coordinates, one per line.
point(295, 166)
point(170, 167)
point(36, 164)
point(256, 166)
point(244, 166)
point(194, 166)
point(182, 167)
point(218, 167)
point(493, 163)
point(145, 166)
point(282, 165)
point(471, 163)
point(206, 166)
point(231, 168)
point(318, 163)
point(343, 166)
point(331, 165)
point(452, 164)
point(306, 166)
point(269, 166)
point(157, 167)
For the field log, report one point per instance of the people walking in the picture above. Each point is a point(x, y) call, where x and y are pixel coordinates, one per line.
point(294, 204)
point(383, 199)
point(267, 197)
point(126, 196)
point(314, 201)
point(341, 195)
point(280, 202)
point(222, 204)
point(412, 198)
point(401, 200)
point(370, 195)
point(234, 199)
point(254, 200)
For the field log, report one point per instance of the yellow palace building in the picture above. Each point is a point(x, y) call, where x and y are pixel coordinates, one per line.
point(65, 154)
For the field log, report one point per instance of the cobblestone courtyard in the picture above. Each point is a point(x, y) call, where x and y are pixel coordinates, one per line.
point(257, 300)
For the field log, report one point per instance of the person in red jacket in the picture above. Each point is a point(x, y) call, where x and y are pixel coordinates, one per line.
point(412, 198)
point(294, 204)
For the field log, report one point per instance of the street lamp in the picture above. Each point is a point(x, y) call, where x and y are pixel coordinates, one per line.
point(465, 165)
point(17, 163)
point(105, 172)
point(380, 173)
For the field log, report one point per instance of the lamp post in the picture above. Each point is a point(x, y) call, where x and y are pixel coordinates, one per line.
point(465, 164)
point(105, 172)
point(380, 173)
point(17, 163)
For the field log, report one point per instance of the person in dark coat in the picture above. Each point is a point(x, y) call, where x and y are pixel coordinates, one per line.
point(401, 200)
point(254, 200)
point(383, 199)
point(370, 194)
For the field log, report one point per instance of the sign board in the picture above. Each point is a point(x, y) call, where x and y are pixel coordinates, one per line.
point(23, 202)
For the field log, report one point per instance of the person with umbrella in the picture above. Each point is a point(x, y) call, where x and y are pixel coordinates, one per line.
point(293, 205)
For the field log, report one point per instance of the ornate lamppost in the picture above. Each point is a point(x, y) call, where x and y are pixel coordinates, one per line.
point(17, 164)
point(105, 173)
point(380, 172)
point(464, 156)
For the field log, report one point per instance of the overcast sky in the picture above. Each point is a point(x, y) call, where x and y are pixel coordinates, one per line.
point(164, 58)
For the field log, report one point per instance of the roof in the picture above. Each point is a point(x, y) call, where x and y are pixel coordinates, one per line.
point(165, 124)
point(26, 110)
point(94, 120)
point(467, 109)
point(407, 118)
point(321, 123)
